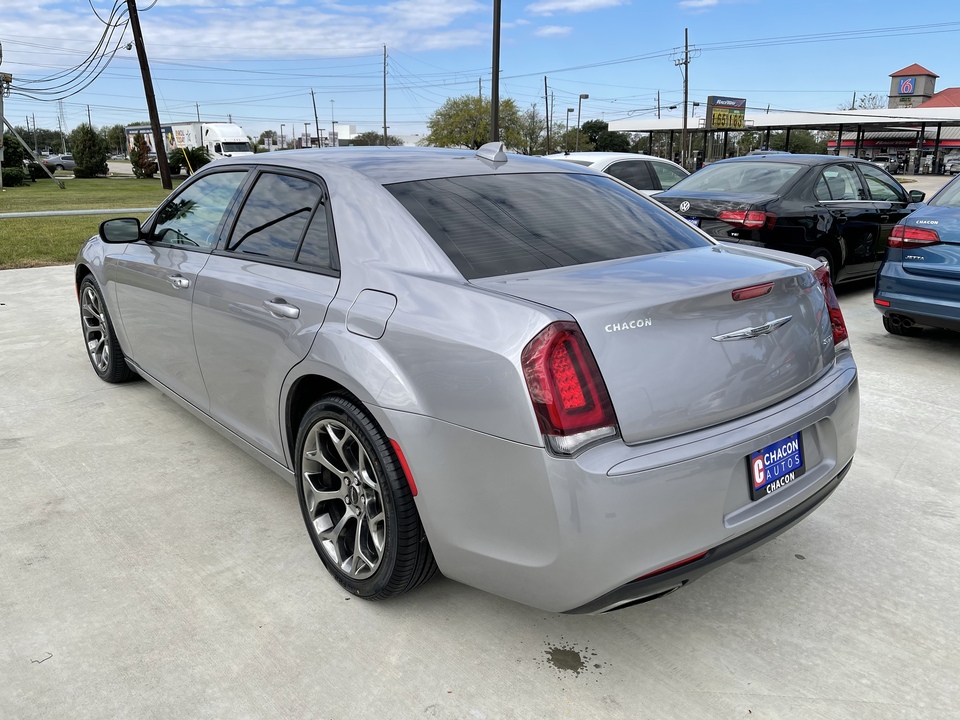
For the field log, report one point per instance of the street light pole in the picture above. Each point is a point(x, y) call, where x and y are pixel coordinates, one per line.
point(333, 127)
point(566, 135)
point(583, 96)
point(306, 131)
point(282, 126)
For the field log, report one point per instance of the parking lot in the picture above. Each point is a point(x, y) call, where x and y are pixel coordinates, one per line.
point(152, 570)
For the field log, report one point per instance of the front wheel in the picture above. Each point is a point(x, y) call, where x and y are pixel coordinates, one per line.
point(103, 348)
point(357, 504)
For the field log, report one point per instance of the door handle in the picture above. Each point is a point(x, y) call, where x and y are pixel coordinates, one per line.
point(179, 282)
point(279, 307)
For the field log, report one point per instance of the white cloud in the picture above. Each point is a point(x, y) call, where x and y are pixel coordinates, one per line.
point(549, 7)
point(548, 31)
point(697, 5)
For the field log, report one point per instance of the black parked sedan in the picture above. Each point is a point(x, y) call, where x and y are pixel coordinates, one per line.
point(838, 210)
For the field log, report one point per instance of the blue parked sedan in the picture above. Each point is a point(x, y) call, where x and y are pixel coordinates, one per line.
point(918, 283)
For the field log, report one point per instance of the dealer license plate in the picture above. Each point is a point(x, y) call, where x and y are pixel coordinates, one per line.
point(695, 221)
point(775, 466)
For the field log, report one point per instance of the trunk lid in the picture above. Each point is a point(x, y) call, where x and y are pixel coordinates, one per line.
point(651, 323)
point(701, 209)
point(943, 260)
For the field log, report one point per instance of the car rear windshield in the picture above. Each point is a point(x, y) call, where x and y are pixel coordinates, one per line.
point(949, 196)
point(763, 176)
point(501, 224)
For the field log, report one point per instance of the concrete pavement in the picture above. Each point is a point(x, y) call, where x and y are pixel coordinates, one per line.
point(149, 569)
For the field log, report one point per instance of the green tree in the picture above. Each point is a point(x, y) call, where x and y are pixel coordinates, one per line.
point(372, 137)
point(801, 141)
point(592, 129)
point(13, 153)
point(89, 152)
point(465, 122)
point(143, 165)
point(116, 139)
point(531, 131)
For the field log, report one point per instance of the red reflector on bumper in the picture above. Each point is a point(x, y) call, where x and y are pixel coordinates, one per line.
point(406, 468)
point(884, 303)
point(672, 566)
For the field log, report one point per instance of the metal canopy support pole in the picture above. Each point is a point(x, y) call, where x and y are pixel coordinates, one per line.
point(670, 148)
point(858, 148)
point(839, 140)
point(650, 142)
point(935, 163)
point(786, 140)
point(726, 136)
point(921, 139)
point(766, 143)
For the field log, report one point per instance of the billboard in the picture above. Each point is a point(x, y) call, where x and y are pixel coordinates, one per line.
point(725, 113)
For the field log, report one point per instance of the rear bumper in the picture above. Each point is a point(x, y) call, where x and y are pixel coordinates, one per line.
point(574, 535)
point(925, 299)
point(666, 582)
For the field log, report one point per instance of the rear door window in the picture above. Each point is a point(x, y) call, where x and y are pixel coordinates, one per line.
point(274, 216)
point(634, 173)
point(839, 182)
point(496, 225)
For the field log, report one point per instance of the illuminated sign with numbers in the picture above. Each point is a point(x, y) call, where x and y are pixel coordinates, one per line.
point(724, 113)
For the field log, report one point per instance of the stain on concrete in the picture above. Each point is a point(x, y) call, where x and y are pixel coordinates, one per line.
point(566, 657)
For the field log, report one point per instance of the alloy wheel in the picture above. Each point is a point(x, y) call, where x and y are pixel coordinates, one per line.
point(95, 329)
point(343, 498)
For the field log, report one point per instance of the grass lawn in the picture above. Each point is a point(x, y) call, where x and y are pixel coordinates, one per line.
point(32, 242)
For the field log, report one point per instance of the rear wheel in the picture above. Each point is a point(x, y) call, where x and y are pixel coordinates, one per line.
point(103, 348)
point(357, 504)
point(824, 256)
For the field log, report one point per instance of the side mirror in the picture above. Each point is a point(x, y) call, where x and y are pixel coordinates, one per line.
point(120, 230)
point(917, 196)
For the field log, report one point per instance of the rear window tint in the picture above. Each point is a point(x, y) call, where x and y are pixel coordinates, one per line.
point(497, 225)
point(741, 177)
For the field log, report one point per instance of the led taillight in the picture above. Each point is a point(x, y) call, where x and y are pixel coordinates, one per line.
point(569, 396)
point(905, 236)
point(752, 219)
point(754, 291)
point(840, 337)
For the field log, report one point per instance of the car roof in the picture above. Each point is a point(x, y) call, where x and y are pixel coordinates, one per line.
point(594, 156)
point(791, 158)
point(387, 165)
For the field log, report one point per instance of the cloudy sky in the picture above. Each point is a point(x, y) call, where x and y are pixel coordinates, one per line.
point(256, 61)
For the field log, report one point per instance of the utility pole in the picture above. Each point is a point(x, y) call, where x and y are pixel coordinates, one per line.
point(684, 64)
point(158, 140)
point(198, 111)
point(495, 80)
point(658, 104)
point(89, 119)
point(546, 110)
point(316, 120)
point(384, 95)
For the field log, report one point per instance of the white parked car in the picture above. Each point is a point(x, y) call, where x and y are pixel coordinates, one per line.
point(891, 165)
point(646, 173)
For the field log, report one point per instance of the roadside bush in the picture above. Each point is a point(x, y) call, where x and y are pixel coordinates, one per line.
point(13, 154)
point(13, 176)
point(143, 165)
point(35, 171)
point(89, 152)
point(189, 158)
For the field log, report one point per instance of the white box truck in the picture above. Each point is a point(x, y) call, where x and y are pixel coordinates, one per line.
point(221, 139)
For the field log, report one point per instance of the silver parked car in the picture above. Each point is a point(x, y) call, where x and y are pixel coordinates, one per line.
point(59, 162)
point(645, 173)
point(518, 371)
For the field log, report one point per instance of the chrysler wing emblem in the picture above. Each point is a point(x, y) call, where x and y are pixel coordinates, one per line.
point(752, 332)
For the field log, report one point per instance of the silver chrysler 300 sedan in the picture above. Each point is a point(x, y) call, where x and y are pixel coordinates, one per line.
point(517, 371)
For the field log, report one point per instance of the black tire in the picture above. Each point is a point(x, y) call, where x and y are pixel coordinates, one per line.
point(58, 167)
point(360, 481)
point(103, 348)
point(897, 328)
point(826, 257)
